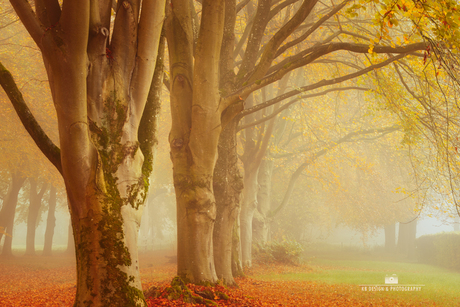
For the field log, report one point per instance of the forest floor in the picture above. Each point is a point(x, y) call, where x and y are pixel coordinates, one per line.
point(50, 281)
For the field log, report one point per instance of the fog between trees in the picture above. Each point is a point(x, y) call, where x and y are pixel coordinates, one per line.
point(228, 123)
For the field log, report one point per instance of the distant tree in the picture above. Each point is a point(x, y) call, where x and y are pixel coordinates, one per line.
point(35, 202)
point(8, 211)
point(50, 222)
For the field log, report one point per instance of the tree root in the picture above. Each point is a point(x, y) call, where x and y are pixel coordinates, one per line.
point(206, 295)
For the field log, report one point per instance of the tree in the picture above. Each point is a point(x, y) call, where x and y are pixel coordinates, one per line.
point(8, 211)
point(19, 154)
point(209, 92)
point(35, 202)
point(50, 222)
point(99, 74)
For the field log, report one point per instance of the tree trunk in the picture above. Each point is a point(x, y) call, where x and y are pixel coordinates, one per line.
point(406, 238)
point(195, 133)
point(228, 184)
point(390, 238)
point(248, 207)
point(100, 68)
point(35, 199)
point(8, 212)
point(261, 222)
point(70, 240)
point(237, 256)
point(50, 223)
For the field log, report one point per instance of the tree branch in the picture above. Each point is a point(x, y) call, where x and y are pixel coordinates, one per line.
point(149, 33)
point(323, 83)
point(315, 26)
point(270, 48)
point(29, 20)
point(299, 170)
point(241, 5)
point(74, 21)
point(49, 149)
point(320, 51)
point(257, 30)
point(288, 104)
point(48, 11)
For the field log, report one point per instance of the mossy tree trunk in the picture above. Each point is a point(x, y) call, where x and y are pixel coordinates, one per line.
point(100, 83)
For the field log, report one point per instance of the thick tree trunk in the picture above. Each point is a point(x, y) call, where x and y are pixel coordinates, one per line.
point(35, 199)
point(406, 238)
point(228, 184)
point(248, 207)
point(196, 126)
point(50, 223)
point(8, 212)
point(390, 238)
point(100, 71)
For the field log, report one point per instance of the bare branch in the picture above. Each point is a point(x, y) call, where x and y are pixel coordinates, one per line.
point(277, 39)
point(312, 29)
point(149, 33)
point(49, 149)
point(241, 5)
point(320, 51)
point(347, 138)
point(48, 12)
point(288, 104)
point(29, 20)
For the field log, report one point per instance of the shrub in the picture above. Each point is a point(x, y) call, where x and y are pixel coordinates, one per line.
point(426, 251)
point(441, 249)
point(285, 251)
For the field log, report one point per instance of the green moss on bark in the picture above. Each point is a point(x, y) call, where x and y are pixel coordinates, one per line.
point(106, 220)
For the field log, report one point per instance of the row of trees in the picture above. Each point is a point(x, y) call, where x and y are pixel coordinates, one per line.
point(105, 65)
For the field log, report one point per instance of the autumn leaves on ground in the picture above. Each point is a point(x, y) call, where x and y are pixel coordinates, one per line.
point(50, 281)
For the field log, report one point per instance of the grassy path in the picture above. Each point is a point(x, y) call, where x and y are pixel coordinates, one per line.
point(441, 287)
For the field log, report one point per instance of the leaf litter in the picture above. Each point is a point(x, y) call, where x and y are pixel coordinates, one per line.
point(50, 281)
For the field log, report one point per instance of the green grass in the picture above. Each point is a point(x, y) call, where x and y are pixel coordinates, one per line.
point(441, 286)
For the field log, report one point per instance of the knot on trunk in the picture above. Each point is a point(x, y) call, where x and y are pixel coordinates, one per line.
point(178, 143)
